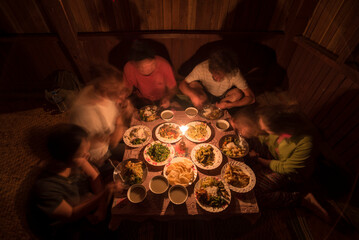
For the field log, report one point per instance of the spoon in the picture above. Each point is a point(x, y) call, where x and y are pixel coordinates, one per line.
point(118, 170)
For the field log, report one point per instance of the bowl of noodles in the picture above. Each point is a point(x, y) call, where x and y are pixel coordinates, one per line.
point(239, 176)
point(198, 131)
point(206, 156)
point(130, 172)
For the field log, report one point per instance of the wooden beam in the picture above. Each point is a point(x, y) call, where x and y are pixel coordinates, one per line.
point(328, 57)
point(60, 22)
point(183, 34)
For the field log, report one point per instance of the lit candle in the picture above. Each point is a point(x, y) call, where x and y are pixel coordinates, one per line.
point(182, 143)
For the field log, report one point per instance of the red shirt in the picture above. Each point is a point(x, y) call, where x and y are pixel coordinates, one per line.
point(152, 87)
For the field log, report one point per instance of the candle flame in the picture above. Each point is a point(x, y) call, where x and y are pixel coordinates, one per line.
point(183, 129)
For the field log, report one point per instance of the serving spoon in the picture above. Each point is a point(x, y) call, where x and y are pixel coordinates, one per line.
point(118, 170)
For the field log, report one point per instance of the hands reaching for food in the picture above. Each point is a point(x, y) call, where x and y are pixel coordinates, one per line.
point(165, 103)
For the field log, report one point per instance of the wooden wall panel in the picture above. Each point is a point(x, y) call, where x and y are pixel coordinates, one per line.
point(136, 15)
point(28, 63)
point(335, 25)
point(330, 99)
point(22, 17)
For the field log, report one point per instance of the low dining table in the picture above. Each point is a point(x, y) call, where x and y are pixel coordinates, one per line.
point(159, 206)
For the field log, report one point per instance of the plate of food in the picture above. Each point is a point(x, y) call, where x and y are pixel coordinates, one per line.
point(130, 172)
point(180, 171)
point(233, 146)
point(212, 194)
point(239, 177)
point(149, 113)
point(137, 136)
point(158, 154)
point(168, 132)
point(206, 156)
point(211, 112)
point(198, 132)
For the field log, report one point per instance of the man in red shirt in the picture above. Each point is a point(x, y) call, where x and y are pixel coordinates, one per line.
point(151, 76)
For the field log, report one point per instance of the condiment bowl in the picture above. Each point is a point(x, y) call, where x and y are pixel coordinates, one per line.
point(136, 193)
point(222, 125)
point(191, 112)
point(178, 194)
point(167, 115)
point(158, 184)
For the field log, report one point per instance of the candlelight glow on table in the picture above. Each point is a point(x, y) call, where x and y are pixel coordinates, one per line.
point(182, 144)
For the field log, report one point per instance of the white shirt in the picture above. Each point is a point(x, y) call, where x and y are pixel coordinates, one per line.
point(98, 118)
point(201, 73)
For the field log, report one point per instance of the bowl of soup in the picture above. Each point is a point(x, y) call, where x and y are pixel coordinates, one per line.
point(191, 112)
point(222, 125)
point(178, 194)
point(158, 184)
point(136, 193)
point(167, 115)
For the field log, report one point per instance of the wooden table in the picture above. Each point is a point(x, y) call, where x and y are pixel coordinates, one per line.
point(159, 206)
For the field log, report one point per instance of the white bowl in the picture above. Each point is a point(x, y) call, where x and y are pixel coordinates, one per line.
point(158, 184)
point(178, 194)
point(222, 125)
point(136, 193)
point(167, 115)
point(191, 112)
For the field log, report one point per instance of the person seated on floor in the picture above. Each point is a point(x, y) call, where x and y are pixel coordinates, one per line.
point(218, 80)
point(103, 109)
point(286, 162)
point(69, 189)
point(151, 76)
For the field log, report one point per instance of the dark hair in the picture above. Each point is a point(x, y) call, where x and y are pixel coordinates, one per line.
point(140, 50)
point(283, 119)
point(105, 71)
point(63, 142)
point(223, 60)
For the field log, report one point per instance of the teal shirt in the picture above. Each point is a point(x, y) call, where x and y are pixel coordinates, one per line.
point(293, 157)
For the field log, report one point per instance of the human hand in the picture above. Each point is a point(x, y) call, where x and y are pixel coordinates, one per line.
point(165, 103)
point(222, 105)
point(198, 100)
point(80, 160)
point(253, 154)
point(114, 187)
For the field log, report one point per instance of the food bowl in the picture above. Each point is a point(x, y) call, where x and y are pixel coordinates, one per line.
point(167, 115)
point(158, 184)
point(178, 194)
point(136, 193)
point(222, 125)
point(191, 112)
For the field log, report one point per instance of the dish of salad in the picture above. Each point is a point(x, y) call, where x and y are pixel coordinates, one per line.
point(158, 154)
point(212, 194)
point(137, 136)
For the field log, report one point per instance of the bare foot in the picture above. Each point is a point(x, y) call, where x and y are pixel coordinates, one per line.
point(312, 204)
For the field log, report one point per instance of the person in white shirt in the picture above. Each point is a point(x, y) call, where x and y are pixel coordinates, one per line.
point(218, 79)
point(102, 109)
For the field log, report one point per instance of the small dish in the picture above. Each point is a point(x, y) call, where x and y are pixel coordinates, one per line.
point(178, 194)
point(191, 112)
point(158, 184)
point(167, 115)
point(222, 125)
point(136, 193)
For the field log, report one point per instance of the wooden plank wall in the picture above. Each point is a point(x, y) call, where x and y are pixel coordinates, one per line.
point(140, 15)
point(331, 100)
point(335, 26)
